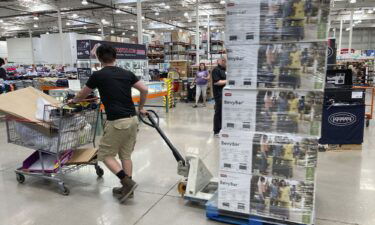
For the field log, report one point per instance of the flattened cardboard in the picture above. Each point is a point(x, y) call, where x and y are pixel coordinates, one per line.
point(23, 103)
point(82, 156)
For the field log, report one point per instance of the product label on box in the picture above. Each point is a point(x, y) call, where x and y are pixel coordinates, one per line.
point(238, 110)
point(234, 192)
point(235, 151)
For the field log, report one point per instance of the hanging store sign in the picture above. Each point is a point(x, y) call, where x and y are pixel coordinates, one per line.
point(124, 50)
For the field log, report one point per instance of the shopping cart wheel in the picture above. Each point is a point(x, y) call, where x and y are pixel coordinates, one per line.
point(20, 178)
point(99, 171)
point(63, 189)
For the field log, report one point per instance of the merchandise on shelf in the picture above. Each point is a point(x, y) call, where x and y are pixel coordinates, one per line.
point(286, 65)
point(260, 21)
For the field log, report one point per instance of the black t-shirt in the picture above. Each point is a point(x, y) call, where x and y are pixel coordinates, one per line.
point(3, 73)
point(115, 88)
point(218, 73)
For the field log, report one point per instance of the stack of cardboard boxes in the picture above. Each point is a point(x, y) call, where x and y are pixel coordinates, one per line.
point(272, 107)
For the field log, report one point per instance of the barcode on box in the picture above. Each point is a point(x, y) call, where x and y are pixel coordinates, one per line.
point(240, 206)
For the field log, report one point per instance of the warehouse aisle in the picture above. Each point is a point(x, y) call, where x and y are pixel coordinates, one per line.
point(346, 182)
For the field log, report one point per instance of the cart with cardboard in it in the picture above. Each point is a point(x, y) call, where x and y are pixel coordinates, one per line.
point(56, 141)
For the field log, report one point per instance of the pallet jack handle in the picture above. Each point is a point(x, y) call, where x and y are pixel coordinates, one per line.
point(155, 124)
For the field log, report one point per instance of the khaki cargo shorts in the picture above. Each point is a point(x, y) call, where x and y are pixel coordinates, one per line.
point(119, 138)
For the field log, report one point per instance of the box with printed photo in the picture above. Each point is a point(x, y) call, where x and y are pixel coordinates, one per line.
point(234, 192)
point(282, 199)
point(293, 112)
point(287, 65)
point(262, 21)
point(236, 151)
point(288, 157)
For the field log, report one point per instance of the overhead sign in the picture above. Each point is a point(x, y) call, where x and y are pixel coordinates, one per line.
point(124, 50)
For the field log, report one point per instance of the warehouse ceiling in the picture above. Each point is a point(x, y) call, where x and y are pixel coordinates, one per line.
point(119, 18)
point(17, 17)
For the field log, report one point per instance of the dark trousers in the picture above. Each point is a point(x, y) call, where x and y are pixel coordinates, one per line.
point(217, 117)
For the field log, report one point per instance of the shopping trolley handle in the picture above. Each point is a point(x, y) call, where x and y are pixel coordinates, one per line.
point(152, 117)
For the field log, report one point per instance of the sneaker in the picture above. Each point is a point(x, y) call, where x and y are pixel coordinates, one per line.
point(116, 191)
point(195, 106)
point(128, 187)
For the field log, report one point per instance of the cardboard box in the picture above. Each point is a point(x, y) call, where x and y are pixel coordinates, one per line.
point(259, 21)
point(23, 103)
point(287, 65)
point(234, 192)
point(235, 151)
point(282, 199)
point(82, 156)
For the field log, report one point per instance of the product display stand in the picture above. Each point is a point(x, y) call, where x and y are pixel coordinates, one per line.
point(272, 111)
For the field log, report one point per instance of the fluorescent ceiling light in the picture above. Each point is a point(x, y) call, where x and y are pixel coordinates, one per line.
point(75, 15)
point(118, 11)
point(347, 29)
point(84, 2)
point(1, 21)
point(123, 33)
point(36, 18)
point(84, 27)
point(35, 25)
point(156, 13)
point(112, 31)
point(99, 29)
point(222, 2)
point(186, 14)
point(68, 23)
point(167, 7)
point(353, 1)
point(190, 20)
point(132, 27)
point(47, 32)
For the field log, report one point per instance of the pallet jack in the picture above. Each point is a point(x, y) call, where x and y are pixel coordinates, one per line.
point(198, 184)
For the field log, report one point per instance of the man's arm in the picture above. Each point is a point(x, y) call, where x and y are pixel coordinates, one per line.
point(221, 83)
point(143, 89)
point(82, 94)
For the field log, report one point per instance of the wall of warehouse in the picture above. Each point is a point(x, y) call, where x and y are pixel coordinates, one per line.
point(3, 49)
point(363, 39)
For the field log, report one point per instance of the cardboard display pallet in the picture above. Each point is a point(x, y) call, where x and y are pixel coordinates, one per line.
point(215, 214)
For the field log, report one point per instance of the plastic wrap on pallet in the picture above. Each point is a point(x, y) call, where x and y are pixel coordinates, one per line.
point(286, 65)
point(280, 156)
point(283, 199)
point(273, 111)
point(259, 21)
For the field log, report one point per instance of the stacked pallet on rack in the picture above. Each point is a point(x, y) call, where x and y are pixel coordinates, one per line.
point(272, 108)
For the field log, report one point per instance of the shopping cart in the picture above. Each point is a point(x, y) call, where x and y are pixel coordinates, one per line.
point(62, 131)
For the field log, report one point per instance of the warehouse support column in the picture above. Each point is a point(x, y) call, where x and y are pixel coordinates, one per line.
point(102, 31)
point(197, 43)
point(208, 38)
point(139, 22)
point(351, 31)
point(340, 37)
point(32, 47)
point(61, 37)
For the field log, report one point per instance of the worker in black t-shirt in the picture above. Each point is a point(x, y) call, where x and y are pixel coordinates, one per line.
point(219, 80)
point(3, 73)
point(120, 132)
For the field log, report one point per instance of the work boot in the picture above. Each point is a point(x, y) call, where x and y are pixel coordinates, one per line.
point(116, 191)
point(128, 187)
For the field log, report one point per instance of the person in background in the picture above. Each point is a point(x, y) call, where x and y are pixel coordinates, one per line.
point(201, 79)
point(120, 132)
point(219, 80)
point(3, 73)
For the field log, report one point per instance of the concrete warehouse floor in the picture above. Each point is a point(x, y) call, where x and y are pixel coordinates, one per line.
point(345, 189)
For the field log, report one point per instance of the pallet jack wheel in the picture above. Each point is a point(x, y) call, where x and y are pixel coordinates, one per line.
point(181, 188)
point(20, 178)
